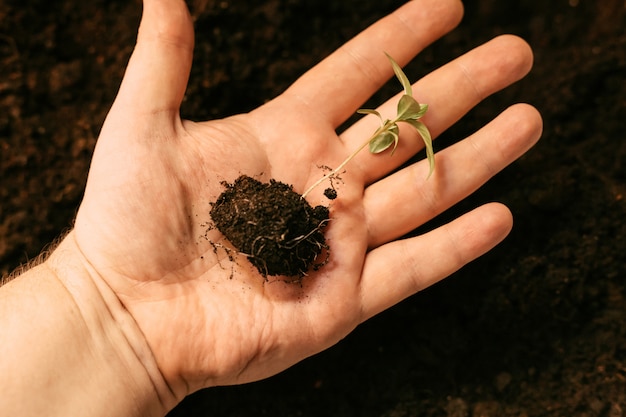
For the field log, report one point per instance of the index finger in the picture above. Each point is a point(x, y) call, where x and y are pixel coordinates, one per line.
point(354, 72)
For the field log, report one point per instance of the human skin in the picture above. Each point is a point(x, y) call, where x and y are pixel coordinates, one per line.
point(135, 309)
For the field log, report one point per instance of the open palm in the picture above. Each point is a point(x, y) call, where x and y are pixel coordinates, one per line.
point(144, 224)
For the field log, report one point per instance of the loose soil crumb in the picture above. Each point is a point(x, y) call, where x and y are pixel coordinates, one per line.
point(278, 230)
point(330, 193)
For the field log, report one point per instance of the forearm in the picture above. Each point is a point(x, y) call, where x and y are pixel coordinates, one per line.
point(67, 351)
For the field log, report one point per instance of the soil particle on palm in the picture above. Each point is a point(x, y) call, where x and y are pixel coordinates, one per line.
point(278, 230)
point(330, 193)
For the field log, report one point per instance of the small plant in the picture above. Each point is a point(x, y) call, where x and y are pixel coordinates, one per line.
point(409, 111)
point(276, 228)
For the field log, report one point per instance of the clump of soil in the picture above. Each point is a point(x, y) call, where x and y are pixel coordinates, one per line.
point(278, 230)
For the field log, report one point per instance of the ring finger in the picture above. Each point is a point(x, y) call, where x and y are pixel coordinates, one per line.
point(405, 200)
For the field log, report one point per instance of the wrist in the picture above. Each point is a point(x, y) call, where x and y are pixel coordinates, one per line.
point(111, 327)
point(74, 347)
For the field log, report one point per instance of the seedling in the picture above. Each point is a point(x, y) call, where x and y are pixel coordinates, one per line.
point(387, 135)
point(279, 232)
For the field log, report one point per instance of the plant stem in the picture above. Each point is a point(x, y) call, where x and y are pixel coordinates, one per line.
point(335, 171)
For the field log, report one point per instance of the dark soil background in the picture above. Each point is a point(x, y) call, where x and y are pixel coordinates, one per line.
point(535, 328)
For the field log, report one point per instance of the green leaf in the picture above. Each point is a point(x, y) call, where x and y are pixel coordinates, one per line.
point(406, 84)
point(382, 142)
point(410, 109)
point(396, 139)
point(428, 142)
point(370, 111)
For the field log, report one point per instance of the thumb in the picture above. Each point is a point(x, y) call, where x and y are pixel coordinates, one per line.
point(158, 71)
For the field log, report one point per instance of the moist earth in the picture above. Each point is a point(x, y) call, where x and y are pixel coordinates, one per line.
point(279, 231)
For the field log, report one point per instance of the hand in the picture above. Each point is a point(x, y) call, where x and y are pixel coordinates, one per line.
point(141, 230)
